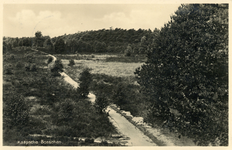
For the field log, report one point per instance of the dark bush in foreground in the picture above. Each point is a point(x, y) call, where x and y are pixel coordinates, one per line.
point(15, 111)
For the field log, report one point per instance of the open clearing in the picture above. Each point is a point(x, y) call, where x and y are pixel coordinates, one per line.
point(117, 69)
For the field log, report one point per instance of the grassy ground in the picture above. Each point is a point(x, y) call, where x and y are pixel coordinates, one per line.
point(104, 57)
point(84, 56)
point(117, 69)
point(34, 102)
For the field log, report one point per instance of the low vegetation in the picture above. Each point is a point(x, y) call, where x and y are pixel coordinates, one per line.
point(36, 103)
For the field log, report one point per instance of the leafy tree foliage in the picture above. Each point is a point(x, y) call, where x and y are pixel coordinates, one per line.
point(59, 46)
point(48, 44)
point(39, 40)
point(58, 67)
point(38, 34)
point(101, 103)
point(71, 63)
point(6, 47)
point(16, 112)
point(187, 70)
point(99, 46)
point(120, 94)
point(85, 81)
point(128, 50)
point(65, 112)
point(99, 41)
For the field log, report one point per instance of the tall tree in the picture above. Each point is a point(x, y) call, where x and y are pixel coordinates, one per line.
point(85, 81)
point(188, 71)
point(39, 40)
point(59, 45)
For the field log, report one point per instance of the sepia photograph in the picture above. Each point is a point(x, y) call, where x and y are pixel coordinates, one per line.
point(115, 74)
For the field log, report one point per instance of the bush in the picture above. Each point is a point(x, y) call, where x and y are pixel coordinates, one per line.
point(71, 63)
point(16, 113)
point(33, 67)
point(19, 65)
point(50, 59)
point(85, 81)
point(65, 114)
point(8, 69)
point(101, 103)
point(120, 94)
point(127, 54)
point(12, 57)
point(30, 67)
point(30, 57)
point(27, 66)
point(58, 67)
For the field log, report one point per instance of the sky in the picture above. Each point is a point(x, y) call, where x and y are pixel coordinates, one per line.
point(23, 20)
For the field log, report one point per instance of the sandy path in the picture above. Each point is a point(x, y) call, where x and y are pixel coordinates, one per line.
point(136, 137)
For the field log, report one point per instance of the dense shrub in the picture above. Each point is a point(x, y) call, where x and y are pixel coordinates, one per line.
point(50, 59)
point(188, 71)
point(8, 69)
point(57, 67)
point(120, 94)
point(33, 67)
point(12, 57)
point(27, 66)
point(65, 113)
point(6, 47)
point(15, 111)
point(85, 81)
point(71, 63)
point(30, 57)
point(19, 65)
point(30, 67)
point(101, 103)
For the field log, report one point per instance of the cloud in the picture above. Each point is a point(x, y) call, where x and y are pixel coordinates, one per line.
point(28, 21)
point(136, 19)
point(55, 21)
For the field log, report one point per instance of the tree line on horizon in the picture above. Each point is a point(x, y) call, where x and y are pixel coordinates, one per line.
point(129, 41)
